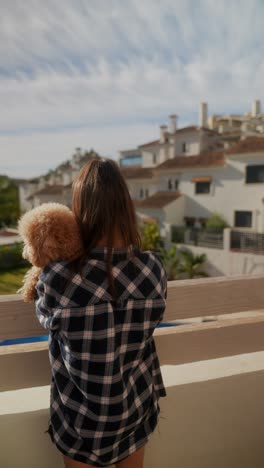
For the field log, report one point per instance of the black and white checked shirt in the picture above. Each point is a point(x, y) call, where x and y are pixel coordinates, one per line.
point(106, 378)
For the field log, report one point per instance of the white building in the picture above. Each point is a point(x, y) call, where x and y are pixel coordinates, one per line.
point(54, 186)
point(219, 169)
point(186, 175)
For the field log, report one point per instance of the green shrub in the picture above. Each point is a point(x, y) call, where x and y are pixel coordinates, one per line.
point(11, 256)
point(177, 234)
point(9, 202)
point(171, 262)
point(216, 223)
point(151, 239)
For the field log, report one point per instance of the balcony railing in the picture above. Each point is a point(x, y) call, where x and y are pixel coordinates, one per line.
point(213, 371)
point(203, 238)
point(246, 241)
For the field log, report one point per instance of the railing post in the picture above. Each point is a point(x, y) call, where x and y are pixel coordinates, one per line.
point(187, 236)
point(165, 233)
point(227, 239)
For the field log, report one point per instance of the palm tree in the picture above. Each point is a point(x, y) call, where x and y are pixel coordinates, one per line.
point(191, 264)
point(171, 262)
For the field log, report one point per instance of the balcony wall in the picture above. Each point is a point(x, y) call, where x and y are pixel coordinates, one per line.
point(214, 374)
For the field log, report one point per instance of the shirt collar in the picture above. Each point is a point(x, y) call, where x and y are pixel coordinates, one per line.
point(100, 253)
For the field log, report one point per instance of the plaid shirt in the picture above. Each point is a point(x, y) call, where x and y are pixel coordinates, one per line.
point(106, 378)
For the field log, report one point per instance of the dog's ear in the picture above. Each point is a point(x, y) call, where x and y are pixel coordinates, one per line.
point(50, 232)
point(42, 251)
point(34, 234)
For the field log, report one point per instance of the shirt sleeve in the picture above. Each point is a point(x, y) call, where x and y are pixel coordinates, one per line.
point(45, 311)
point(162, 275)
point(162, 280)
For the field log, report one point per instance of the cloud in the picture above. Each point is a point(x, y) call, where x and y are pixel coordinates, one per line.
point(30, 155)
point(106, 72)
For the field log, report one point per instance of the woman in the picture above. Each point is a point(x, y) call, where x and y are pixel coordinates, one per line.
point(101, 312)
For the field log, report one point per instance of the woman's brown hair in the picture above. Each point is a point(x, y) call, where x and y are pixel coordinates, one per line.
point(103, 208)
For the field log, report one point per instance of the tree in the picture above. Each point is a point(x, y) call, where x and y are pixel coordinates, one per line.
point(151, 239)
point(191, 264)
point(178, 264)
point(171, 261)
point(9, 202)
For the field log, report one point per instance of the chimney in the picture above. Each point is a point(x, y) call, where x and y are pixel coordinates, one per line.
point(203, 114)
point(77, 156)
point(163, 130)
point(173, 123)
point(256, 108)
point(78, 152)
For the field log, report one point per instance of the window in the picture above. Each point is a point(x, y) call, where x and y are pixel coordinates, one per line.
point(243, 218)
point(202, 187)
point(169, 184)
point(184, 147)
point(189, 222)
point(141, 193)
point(255, 174)
point(176, 184)
point(154, 158)
point(131, 160)
point(146, 193)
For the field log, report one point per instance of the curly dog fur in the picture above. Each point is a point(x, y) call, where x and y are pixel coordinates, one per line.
point(50, 232)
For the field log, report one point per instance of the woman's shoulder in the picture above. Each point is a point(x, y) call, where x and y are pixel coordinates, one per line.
point(55, 276)
point(151, 261)
point(53, 269)
point(147, 256)
point(152, 274)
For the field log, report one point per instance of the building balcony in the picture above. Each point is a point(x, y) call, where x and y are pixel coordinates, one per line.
point(213, 368)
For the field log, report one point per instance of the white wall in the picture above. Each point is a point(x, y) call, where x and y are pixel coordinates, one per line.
point(192, 141)
point(227, 263)
point(174, 212)
point(229, 192)
point(195, 143)
point(24, 191)
point(165, 177)
point(39, 199)
point(212, 416)
point(171, 213)
point(147, 156)
point(66, 177)
point(135, 187)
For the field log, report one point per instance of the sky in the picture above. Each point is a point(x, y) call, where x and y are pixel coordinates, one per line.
point(105, 74)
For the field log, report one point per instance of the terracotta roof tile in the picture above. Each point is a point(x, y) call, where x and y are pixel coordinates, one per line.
point(195, 128)
point(157, 200)
point(137, 172)
point(248, 145)
point(151, 143)
point(190, 128)
point(199, 160)
point(202, 179)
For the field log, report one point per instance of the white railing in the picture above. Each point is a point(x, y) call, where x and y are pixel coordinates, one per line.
point(200, 426)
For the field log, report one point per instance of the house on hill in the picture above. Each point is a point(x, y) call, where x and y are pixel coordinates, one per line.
point(217, 166)
point(54, 186)
point(185, 175)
